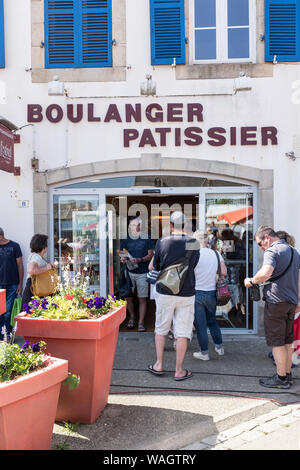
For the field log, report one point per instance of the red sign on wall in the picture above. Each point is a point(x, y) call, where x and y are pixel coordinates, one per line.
point(6, 150)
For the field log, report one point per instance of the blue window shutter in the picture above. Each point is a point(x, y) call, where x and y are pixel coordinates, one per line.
point(167, 31)
point(78, 33)
point(282, 30)
point(2, 45)
point(60, 50)
point(96, 20)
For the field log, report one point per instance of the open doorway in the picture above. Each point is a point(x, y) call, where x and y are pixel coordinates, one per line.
point(155, 211)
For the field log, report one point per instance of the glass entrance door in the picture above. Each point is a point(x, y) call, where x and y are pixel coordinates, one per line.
point(229, 222)
point(76, 236)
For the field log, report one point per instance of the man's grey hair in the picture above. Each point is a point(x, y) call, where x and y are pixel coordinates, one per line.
point(1, 232)
point(265, 230)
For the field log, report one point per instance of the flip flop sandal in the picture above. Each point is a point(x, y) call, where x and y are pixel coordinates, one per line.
point(141, 328)
point(188, 375)
point(151, 369)
point(130, 324)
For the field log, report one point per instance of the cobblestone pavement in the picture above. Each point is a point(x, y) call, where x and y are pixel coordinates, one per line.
point(252, 431)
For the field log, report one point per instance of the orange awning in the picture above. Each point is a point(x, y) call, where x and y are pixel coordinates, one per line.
point(237, 217)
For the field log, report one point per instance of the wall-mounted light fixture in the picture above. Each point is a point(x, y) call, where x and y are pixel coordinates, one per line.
point(148, 88)
point(56, 87)
point(242, 83)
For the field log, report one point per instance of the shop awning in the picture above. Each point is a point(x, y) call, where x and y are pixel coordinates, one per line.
point(239, 216)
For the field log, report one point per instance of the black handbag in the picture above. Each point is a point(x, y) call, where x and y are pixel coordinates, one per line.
point(254, 293)
point(125, 284)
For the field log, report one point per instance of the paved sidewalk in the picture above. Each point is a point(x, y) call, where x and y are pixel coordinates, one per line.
point(277, 430)
point(155, 412)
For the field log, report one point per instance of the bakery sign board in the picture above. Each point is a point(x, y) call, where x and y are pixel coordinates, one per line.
point(6, 150)
point(159, 125)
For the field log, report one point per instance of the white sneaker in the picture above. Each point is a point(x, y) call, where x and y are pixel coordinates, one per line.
point(220, 350)
point(200, 355)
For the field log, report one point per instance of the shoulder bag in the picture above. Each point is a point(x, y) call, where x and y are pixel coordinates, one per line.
point(222, 288)
point(172, 278)
point(44, 284)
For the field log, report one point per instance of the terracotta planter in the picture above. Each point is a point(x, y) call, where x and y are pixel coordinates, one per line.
point(2, 301)
point(28, 407)
point(89, 346)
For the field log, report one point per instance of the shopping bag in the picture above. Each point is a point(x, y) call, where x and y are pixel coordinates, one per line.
point(125, 285)
point(17, 307)
point(296, 326)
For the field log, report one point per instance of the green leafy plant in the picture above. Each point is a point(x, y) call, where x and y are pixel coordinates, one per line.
point(72, 302)
point(70, 428)
point(72, 381)
point(16, 361)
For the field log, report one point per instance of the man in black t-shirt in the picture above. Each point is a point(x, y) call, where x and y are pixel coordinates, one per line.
point(178, 308)
point(11, 277)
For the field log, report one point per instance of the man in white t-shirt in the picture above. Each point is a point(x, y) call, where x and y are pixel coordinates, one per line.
point(205, 297)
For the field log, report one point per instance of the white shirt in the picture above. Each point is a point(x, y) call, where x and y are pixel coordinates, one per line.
point(206, 270)
point(38, 259)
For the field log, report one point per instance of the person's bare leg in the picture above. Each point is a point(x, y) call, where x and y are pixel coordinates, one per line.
point(281, 359)
point(289, 353)
point(142, 310)
point(160, 342)
point(181, 347)
point(130, 308)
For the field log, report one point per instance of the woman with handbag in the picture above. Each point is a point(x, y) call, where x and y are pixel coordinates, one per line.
point(206, 297)
point(36, 264)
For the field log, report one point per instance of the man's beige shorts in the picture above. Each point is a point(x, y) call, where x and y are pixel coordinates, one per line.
point(140, 283)
point(180, 310)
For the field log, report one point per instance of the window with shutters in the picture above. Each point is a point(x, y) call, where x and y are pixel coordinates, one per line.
point(78, 33)
point(223, 31)
point(2, 47)
point(282, 30)
point(167, 32)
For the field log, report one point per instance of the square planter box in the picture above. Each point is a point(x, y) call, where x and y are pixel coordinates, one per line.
point(28, 406)
point(89, 346)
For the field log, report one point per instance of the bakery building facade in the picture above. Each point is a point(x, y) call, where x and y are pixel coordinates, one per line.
point(143, 107)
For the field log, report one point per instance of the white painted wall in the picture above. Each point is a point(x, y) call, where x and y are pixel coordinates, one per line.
point(269, 103)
